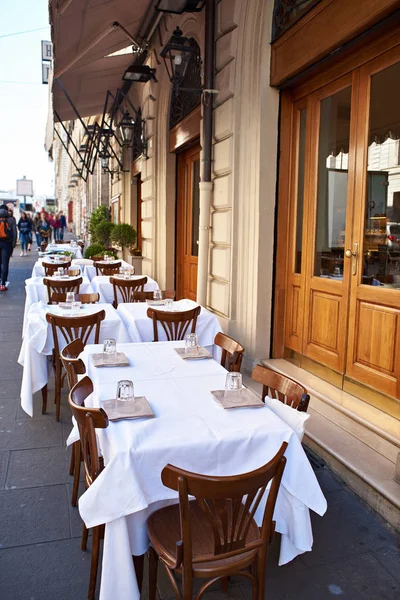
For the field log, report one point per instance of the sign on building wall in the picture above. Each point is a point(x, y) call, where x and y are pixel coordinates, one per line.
point(47, 56)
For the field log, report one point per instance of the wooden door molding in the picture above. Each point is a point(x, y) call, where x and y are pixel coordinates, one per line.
point(186, 131)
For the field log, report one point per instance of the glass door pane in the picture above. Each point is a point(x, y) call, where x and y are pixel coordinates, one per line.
point(381, 246)
point(333, 157)
point(300, 191)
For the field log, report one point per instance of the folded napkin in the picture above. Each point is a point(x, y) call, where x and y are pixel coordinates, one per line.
point(128, 409)
point(198, 352)
point(120, 360)
point(292, 417)
point(243, 399)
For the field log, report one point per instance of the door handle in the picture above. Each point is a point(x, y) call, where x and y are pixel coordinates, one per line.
point(353, 254)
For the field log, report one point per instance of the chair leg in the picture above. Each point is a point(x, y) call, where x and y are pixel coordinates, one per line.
point(138, 562)
point(44, 399)
point(77, 472)
point(153, 566)
point(72, 461)
point(95, 562)
point(57, 392)
point(84, 538)
point(224, 584)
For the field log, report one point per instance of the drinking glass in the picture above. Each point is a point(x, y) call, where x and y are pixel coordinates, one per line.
point(132, 270)
point(233, 382)
point(169, 304)
point(125, 391)
point(60, 271)
point(191, 344)
point(157, 295)
point(105, 257)
point(70, 297)
point(109, 350)
point(76, 306)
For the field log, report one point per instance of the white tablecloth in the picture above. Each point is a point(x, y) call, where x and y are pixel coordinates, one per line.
point(37, 344)
point(90, 270)
point(191, 431)
point(102, 285)
point(36, 291)
point(62, 247)
point(38, 269)
point(140, 327)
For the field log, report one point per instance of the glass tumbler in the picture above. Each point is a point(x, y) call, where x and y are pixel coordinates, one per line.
point(105, 258)
point(157, 295)
point(125, 390)
point(233, 382)
point(109, 350)
point(60, 271)
point(69, 297)
point(192, 344)
point(76, 306)
point(169, 304)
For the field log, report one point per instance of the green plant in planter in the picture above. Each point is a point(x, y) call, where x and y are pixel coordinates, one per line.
point(94, 250)
point(100, 215)
point(102, 232)
point(124, 235)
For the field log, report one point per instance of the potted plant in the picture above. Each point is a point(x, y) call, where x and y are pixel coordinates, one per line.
point(124, 236)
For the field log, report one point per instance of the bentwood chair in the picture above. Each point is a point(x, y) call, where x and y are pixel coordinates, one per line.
point(89, 298)
point(88, 420)
point(68, 329)
point(232, 352)
point(74, 367)
point(143, 296)
point(175, 324)
point(103, 269)
point(51, 268)
point(62, 287)
point(282, 388)
point(215, 535)
point(125, 288)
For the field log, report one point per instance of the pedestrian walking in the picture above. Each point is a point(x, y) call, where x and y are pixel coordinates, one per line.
point(8, 239)
point(24, 228)
point(44, 228)
point(63, 224)
point(56, 227)
point(35, 229)
point(30, 233)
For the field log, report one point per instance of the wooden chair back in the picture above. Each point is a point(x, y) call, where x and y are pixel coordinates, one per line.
point(62, 241)
point(62, 286)
point(73, 328)
point(143, 296)
point(73, 365)
point(282, 388)
point(102, 269)
point(88, 420)
point(89, 298)
point(175, 324)
point(228, 505)
point(232, 352)
point(51, 268)
point(125, 288)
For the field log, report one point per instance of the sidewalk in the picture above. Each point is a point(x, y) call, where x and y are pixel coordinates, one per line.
point(355, 556)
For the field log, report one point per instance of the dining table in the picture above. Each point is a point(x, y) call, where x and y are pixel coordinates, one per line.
point(90, 270)
point(37, 344)
point(189, 430)
point(140, 326)
point(101, 284)
point(76, 250)
point(54, 259)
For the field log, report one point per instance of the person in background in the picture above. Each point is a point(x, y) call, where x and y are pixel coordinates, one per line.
point(24, 228)
point(56, 227)
point(35, 229)
point(30, 233)
point(8, 239)
point(63, 224)
point(50, 218)
point(44, 228)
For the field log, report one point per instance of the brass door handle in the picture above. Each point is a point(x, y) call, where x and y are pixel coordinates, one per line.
point(353, 254)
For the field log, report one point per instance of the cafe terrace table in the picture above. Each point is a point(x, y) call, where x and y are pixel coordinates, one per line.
point(37, 344)
point(192, 432)
point(38, 269)
point(62, 247)
point(36, 291)
point(140, 327)
point(102, 285)
point(90, 270)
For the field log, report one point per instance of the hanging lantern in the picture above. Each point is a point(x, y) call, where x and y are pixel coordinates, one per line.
point(177, 54)
point(180, 6)
point(126, 126)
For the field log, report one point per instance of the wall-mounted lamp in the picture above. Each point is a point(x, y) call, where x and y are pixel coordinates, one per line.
point(180, 6)
point(177, 54)
point(140, 73)
point(126, 126)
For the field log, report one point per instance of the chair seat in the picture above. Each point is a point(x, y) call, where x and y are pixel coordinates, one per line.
point(164, 531)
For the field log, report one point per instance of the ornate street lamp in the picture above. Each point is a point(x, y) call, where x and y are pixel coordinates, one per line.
point(177, 54)
point(104, 160)
point(140, 73)
point(126, 127)
point(180, 6)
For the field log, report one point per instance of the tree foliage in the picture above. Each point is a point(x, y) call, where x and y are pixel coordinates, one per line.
point(124, 235)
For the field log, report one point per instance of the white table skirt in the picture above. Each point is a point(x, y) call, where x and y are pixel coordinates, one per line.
point(66, 247)
point(90, 270)
point(38, 269)
point(36, 291)
point(38, 344)
point(102, 285)
point(191, 431)
point(140, 327)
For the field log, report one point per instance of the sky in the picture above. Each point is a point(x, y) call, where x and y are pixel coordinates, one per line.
point(23, 97)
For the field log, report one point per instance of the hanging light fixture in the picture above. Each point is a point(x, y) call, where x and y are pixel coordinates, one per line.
point(177, 54)
point(126, 127)
point(140, 73)
point(104, 160)
point(180, 6)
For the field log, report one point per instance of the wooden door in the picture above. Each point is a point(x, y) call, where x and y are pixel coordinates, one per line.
point(373, 356)
point(188, 212)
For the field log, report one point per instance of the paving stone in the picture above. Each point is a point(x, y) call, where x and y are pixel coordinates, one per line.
point(7, 324)
point(38, 466)
point(10, 388)
point(51, 571)
point(8, 409)
point(76, 522)
point(3, 468)
point(350, 529)
point(34, 515)
point(8, 336)
point(20, 435)
point(390, 559)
